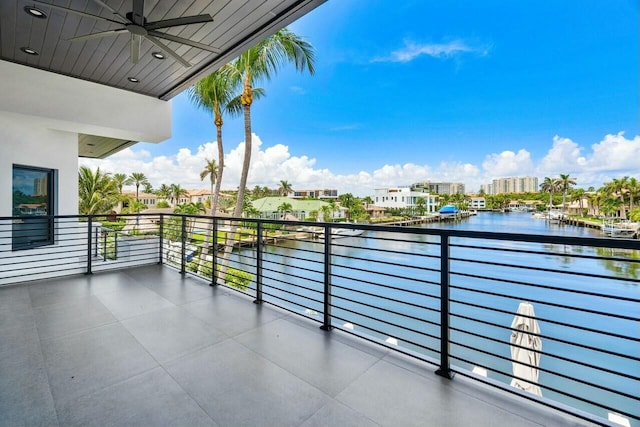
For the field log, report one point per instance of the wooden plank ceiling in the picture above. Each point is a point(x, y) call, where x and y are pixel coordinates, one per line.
point(236, 25)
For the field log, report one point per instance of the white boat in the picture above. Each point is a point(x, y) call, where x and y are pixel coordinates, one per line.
point(555, 216)
point(337, 233)
point(621, 230)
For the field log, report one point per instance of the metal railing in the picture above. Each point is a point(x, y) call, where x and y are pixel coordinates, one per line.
point(447, 297)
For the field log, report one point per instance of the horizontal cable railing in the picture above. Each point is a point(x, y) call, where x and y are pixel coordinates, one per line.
point(448, 297)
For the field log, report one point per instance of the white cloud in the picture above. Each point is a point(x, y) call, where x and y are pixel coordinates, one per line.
point(412, 50)
point(614, 156)
point(508, 163)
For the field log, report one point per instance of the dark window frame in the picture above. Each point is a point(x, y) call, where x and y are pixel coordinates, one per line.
point(40, 226)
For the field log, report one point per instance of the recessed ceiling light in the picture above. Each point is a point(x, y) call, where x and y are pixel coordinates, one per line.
point(35, 12)
point(133, 80)
point(158, 55)
point(29, 51)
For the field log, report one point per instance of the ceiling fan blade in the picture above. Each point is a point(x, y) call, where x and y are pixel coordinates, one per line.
point(184, 41)
point(137, 13)
point(187, 20)
point(110, 9)
point(136, 40)
point(97, 35)
point(168, 50)
point(76, 12)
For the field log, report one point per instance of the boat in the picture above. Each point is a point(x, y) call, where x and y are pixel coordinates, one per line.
point(449, 210)
point(555, 215)
point(337, 233)
point(473, 212)
point(622, 230)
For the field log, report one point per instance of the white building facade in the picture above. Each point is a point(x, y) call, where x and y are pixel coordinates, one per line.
point(404, 198)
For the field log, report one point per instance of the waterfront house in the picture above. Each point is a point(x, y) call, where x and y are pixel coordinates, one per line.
point(270, 208)
point(404, 198)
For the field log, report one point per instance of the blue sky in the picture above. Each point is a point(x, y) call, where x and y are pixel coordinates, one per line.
point(413, 90)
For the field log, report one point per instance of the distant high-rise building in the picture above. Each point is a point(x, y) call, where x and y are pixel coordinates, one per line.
point(439, 187)
point(525, 184)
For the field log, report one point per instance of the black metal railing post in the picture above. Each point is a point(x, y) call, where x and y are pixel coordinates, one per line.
point(214, 253)
point(161, 231)
point(97, 241)
point(258, 299)
point(115, 245)
point(445, 367)
point(89, 251)
point(183, 240)
point(326, 324)
point(104, 245)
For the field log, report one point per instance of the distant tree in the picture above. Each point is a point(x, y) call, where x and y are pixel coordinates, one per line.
point(285, 188)
point(285, 208)
point(420, 205)
point(97, 192)
point(633, 190)
point(137, 179)
point(578, 195)
point(564, 183)
point(119, 180)
point(550, 186)
point(616, 189)
point(176, 192)
point(210, 170)
point(164, 191)
point(148, 188)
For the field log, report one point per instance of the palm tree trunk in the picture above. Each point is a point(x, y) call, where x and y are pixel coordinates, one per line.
point(241, 189)
point(210, 240)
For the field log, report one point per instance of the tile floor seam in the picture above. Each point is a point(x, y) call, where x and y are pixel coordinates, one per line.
point(283, 368)
point(189, 394)
point(44, 361)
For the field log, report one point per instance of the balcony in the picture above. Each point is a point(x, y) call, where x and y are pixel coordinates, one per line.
point(145, 339)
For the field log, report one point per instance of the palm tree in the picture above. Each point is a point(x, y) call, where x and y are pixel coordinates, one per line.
point(137, 179)
point(213, 93)
point(578, 195)
point(285, 208)
point(617, 189)
point(176, 192)
point(119, 180)
point(633, 190)
point(564, 183)
point(97, 192)
point(285, 188)
point(164, 191)
point(148, 188)
point(211, 170)
point(549, 186)
point(258, 63)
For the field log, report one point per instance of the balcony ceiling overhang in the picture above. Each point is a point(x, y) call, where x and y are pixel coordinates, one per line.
point(235, 26)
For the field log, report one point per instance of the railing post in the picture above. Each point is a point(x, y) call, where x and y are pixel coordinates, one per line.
point(89, 251)
point(326, 324)
point(115, 245)
point(258, 263)
point(104, 245)
point(183, 240)
point(161, 231)
point(214, 253)
point(445, 367)
point(97, 240)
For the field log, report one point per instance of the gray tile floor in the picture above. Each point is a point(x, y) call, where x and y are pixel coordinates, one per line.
point(148, 347)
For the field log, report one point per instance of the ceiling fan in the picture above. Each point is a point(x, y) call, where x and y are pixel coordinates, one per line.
point(136, 24)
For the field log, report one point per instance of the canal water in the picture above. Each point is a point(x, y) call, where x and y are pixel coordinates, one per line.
point(409, 269)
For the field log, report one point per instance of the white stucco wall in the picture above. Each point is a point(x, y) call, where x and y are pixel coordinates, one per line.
point(23, 142)
point(73, 105)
